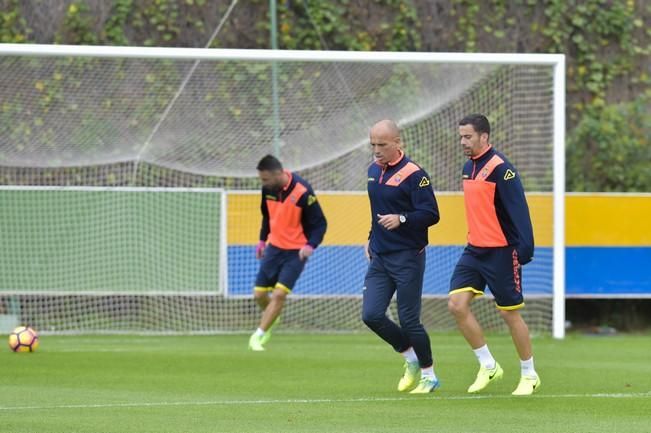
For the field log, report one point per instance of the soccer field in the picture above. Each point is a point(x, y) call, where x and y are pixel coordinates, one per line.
point(316, 383)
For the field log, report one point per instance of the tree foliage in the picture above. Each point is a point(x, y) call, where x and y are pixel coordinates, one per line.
point(609, 149)
point(607, 43)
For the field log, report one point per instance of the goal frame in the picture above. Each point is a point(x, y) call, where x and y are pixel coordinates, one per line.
point(556, 61)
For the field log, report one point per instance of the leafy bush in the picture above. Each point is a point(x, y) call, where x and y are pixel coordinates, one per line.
point(610, 148)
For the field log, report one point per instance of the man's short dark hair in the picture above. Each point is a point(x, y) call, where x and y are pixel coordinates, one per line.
point(478, 121)
point(269, 163)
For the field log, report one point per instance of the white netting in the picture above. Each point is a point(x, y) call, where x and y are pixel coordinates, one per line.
point(91, 111)
point(138, 259)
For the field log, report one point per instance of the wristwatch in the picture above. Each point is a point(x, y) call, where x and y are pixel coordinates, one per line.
point(402, 218)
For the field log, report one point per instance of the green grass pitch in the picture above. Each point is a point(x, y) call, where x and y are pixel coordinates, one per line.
point(316, 383)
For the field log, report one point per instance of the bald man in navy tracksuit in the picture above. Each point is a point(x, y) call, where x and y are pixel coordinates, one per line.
point(403, 206)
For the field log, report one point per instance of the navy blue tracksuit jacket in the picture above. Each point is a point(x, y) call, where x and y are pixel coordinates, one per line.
point(401, 188)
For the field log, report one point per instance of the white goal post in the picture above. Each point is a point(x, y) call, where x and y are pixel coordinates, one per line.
point(150, 118)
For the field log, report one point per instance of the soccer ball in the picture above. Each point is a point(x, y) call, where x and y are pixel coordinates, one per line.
point(23, 339)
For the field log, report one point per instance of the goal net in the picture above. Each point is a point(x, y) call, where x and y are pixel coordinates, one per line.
point(130, 196)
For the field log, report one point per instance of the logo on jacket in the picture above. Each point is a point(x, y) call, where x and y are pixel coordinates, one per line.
point(424, 182)
point(311, 200)
point(371, 179)
point(509, 174)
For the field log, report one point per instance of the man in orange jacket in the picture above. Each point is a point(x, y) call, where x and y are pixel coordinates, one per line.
point(293, 225)
point(500, 242)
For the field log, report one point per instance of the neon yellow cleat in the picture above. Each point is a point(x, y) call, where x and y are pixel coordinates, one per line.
point(267, 335)
point(426, 385)
point(255, 343)
point(411, 376)
point(527, 386)
point(486, 376)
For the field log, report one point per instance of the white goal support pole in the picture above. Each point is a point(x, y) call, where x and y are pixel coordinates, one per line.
point(558, 326)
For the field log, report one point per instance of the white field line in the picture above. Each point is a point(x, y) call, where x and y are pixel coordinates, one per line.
point(318, 401)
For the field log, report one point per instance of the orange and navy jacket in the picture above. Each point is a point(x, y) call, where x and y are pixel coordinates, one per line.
point(496, 207)
point(292, 217)
point(401, 187)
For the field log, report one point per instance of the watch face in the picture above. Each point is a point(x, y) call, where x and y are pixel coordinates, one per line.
point(403, 219)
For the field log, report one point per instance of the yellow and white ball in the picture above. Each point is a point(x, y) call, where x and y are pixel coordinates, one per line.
point(23, 339)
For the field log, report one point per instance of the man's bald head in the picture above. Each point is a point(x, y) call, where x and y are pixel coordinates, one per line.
point(385, 141)
point(387, 128)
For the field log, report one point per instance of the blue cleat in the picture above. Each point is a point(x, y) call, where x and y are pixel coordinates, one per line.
point(426, 385)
